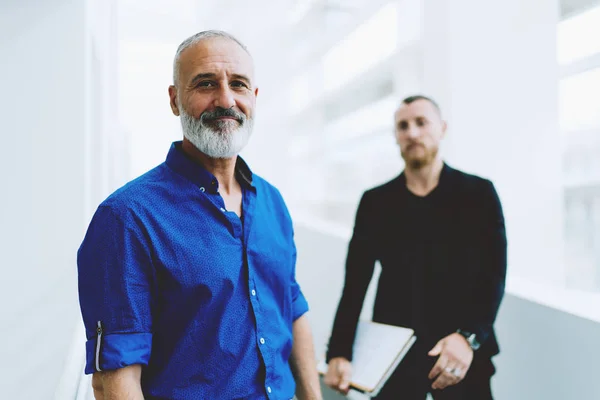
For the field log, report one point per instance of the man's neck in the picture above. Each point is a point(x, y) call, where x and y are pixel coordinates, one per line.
point(421, 181)
point(222, 168)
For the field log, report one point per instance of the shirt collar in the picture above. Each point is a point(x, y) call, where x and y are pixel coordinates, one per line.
point(179, 162)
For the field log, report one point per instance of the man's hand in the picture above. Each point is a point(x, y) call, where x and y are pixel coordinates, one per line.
point(455, 357)
point(120, 384)
point(339, 372)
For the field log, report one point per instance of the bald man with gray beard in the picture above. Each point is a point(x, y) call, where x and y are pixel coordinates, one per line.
point(187, 274)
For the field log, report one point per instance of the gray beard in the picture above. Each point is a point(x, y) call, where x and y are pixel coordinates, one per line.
point(226, 142)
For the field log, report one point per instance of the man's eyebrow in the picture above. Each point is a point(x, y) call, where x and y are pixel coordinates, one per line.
point(202, 76)
point(211, 75)
point(240, 77)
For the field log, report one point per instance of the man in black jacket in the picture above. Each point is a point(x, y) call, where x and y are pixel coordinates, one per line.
point(439, 236)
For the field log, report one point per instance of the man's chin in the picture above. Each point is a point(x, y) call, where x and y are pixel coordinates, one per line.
point(416, 162)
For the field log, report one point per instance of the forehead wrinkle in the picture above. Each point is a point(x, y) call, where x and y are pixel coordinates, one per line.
point(215, 65)
point(215, 55)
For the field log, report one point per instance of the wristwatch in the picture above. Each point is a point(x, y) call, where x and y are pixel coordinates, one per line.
point(471, 339)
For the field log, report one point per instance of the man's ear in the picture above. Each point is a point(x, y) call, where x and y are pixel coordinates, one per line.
point(173, 100)
point(444, 129)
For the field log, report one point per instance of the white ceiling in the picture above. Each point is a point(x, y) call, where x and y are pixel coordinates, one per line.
point(157, 20)
point(173, 20)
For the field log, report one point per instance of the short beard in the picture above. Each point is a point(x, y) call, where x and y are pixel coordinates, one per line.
point(416, 163)
point(225, 141)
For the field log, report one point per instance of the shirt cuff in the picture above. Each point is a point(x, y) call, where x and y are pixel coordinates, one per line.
point(300, 306)
point(117, 351)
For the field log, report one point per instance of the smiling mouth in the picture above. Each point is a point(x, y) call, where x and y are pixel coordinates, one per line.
point(223, 119)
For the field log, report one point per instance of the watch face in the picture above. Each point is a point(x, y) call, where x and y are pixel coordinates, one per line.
point(466, 334)
point(473, 342)
point(471, 339)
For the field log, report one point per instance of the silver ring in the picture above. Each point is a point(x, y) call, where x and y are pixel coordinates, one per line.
point(454, 371)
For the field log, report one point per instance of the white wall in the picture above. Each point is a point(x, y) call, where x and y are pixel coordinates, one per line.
point(546, 354)
point(145, 73)
point(62, 152)
point(42, 205)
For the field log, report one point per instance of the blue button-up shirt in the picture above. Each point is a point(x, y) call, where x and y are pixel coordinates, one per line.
point(168, 278)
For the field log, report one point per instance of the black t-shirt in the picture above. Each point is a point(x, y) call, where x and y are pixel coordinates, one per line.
point(418, 228)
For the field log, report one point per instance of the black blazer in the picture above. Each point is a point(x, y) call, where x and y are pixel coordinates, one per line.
point(464, 244)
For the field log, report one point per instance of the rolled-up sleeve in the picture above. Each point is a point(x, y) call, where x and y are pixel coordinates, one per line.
point(299, 303)
point(116, 284)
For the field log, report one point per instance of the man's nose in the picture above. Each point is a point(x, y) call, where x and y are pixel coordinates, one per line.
point(224, 98)
point(413, 132)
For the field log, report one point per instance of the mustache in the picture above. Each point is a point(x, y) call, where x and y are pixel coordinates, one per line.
point(414, 144)
point(222, 112)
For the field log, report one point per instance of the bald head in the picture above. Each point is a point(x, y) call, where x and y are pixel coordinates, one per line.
point(197, 38)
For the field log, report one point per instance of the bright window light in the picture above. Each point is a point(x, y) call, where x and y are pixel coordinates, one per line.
point(580, 101)
point(305, 88)
point(300, 10)
point(375, 117)
point(579, 36)
point(370, 43)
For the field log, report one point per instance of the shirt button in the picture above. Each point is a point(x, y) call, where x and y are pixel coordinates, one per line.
point(253, 292)
point(269, 389)
point(202, 189)
point(262, 340)
point(222, 209)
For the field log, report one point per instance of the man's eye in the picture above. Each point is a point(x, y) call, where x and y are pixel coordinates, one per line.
point(238, 84)
point(206, 84)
